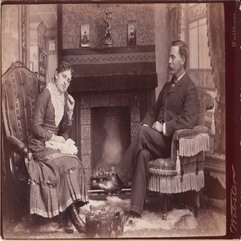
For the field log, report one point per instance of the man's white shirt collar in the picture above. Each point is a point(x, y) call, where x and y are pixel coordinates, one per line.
point(181, 76)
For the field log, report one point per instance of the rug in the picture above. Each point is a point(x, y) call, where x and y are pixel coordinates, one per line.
point(150, 225)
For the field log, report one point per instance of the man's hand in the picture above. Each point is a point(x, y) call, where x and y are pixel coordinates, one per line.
point(70, 103)
point(158, 126)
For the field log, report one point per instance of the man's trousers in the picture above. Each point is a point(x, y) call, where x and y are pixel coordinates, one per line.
point(147, 145)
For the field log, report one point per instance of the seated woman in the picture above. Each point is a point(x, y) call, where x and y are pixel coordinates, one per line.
point(56, 174)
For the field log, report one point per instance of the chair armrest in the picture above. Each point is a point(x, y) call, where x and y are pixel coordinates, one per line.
point(189, 132)
point(19, 146)
point(183, 143)
point(17, 167)
point(185, 133)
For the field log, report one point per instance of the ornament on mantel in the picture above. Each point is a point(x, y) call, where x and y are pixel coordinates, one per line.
point(107, 22)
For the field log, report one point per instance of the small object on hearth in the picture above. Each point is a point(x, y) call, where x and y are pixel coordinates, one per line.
point(105, 222)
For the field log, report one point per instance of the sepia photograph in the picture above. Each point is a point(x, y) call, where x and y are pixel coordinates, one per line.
point(113, 120)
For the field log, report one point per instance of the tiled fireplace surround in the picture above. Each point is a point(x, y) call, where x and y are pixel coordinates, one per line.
point(87, 102)
point(110, 78)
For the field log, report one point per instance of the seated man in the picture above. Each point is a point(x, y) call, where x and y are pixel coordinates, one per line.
point(176, 108)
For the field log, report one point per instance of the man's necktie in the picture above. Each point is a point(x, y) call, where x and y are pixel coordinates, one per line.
point(173, 80)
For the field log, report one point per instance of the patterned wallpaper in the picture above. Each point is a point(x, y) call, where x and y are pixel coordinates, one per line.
point(10, 35)
point(93, 14)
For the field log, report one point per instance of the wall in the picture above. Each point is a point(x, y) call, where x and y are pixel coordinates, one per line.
point(93, 14)
point(152, 28)
point(10, 35)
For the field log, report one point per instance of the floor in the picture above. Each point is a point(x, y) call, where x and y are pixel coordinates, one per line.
point(180, 223)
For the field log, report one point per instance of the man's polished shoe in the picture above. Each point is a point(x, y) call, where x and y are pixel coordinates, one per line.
point(131, 217)
point(112, 185)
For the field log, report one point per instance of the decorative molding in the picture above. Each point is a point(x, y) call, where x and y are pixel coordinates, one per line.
point(111, 58)
point(23, 33)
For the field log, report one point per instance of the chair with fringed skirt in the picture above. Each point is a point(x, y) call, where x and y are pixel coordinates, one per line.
point(184, 170)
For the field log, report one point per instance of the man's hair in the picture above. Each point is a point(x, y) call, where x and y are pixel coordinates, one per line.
point(63, 67)
point(183, 50)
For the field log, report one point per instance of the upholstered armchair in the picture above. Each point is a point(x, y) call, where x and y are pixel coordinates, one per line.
point(184, 170)
point(19, 92)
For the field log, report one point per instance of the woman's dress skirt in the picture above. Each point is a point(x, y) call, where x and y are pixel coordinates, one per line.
point(56, 181)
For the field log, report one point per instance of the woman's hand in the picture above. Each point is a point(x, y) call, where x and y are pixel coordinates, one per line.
point(58, 139)
point(70, 103)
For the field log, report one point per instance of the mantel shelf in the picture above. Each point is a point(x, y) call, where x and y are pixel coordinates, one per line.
point(108, 50)
point(112, 61)
point(117, 55)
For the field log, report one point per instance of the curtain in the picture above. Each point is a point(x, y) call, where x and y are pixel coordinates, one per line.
point(162, 43)
point(167, 29)
point(175, 20)
point(215, 21)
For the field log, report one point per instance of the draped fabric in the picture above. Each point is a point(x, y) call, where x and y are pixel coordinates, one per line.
point(215, 21)
point(175, 20)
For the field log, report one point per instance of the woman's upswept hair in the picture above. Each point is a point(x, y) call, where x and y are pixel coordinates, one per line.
point(63, 67)
point(183, 50)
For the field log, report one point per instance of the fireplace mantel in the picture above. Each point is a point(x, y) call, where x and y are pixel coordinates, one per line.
point(113, 79)
point(93, 54)
point(115, 68)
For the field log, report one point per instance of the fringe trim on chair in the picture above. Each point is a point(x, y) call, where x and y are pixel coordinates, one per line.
point(175, 184)
point(178, 165)
point(192, 146)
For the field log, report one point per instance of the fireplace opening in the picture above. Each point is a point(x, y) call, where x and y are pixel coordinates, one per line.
point(110, 138)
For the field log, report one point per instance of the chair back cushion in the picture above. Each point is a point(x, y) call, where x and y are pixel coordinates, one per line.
point(206, 102)
point(20, 90)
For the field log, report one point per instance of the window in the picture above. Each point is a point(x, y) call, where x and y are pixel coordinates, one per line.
point(194, 32)
point(198, 44)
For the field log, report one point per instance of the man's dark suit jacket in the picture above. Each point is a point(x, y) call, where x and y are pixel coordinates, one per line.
point(177, 106)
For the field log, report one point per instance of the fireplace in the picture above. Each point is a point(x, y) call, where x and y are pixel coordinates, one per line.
point(113, 89)
point(107, 120)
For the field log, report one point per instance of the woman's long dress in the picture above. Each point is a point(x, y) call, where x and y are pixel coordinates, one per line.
point(56, 180)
